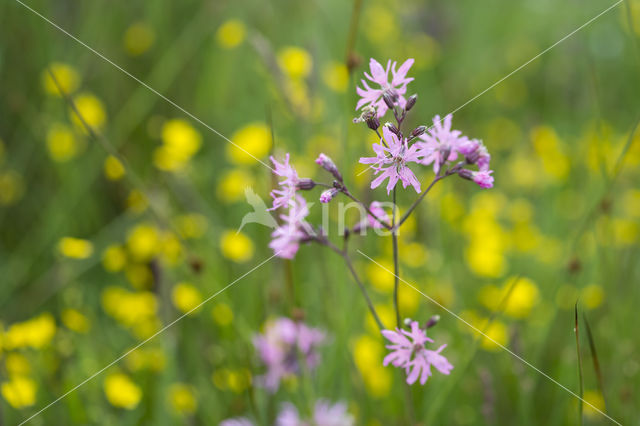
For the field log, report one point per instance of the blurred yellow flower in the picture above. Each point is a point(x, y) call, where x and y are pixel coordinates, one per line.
point(146, 358)
point(235, 380)
point(143, 242)
point(592, 296)
point(76, 321)
point(19, 392)
point(295, 61)
point(380, 25)
point(17, 365)
point(182, 398)
point(485, 262)
point(549, 148)
point(92, 111)
point(185, 297)
point(413, 254)
point(11, 187)
point(180, 142)
point(139, 275)
point(379, 276)
point(62, 143)
point(222, 314)
point(368, 353)
point(75, 248)
point(251, 142)
point(114, 258)
point(138, 38)
point(233, 184)
point(523, 297)
point(192, 225)
point(35, 333)
point(129, 308)
point(386, 314)
point(236, 246)
point(137, 201)
point(65, 75)
point(631, 203)
point(113, 168)
point(336, 76)
point(121, 391)
point(231, 33)
point(594, 399)
point(625, 232)
point(495, 334)
point(408, 299)
point(171, 249)
point(451, 207)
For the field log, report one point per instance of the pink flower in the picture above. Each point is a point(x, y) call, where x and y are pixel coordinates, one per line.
point(236, 421)
point(483, 178)
point(440, 144)
point(409, 352)
point(396, 88)
point(287, 237)
point(397, 155)
point(378, 211)
point(324, 414)
point(281, 197)
point(280, 347)
point(328, 195)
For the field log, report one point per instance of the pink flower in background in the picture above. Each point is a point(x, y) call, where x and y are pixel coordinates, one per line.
point(280, 347)
point(483, 178)
point(378, 211)
point(396, 157)
point(439, 143)
point(409, 352)
point(237, 421)
point(396, 88)
point(286, 238)
point(324, 414)
point(287, 192)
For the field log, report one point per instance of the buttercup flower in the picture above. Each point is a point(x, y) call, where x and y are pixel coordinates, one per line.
point(287, 237)
point(440, 144)
point(396, 156)
point(324, 414)
point(395, 89)
point(409, 352)
point(287, 191)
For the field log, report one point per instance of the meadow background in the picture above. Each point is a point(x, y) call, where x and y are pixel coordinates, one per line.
point(104, 241)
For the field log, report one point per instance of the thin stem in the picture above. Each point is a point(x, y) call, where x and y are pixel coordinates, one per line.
point(415, 203)
point(348, 194)
point(396, 268)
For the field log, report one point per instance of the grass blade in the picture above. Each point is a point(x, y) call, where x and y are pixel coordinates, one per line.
point(576, 329)
point(594, 357)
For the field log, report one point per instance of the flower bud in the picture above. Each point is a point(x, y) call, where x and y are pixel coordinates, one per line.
point(373, 123)
point(306, 184)
point(411, 102)
point(327, 163)
point(465, 174)
point(432, 321)
point(418, 131)
point(328, 195)
point(388, 99)
point(393, 128)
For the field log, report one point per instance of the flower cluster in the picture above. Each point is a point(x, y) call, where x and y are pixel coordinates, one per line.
point(409, 352)
point(283, 346)
point(391, 90)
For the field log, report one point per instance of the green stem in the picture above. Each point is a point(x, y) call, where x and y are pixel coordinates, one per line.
point(396, 267)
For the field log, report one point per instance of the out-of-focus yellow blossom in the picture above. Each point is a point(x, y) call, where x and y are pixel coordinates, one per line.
point(231, 33)
point(379, 276)
point(525, 237)
point(146, 328)
point(62, 143)
point(426, 49)
point(182, 398)
point(413, 254)
point(503, 133)
point(596, 400)
point(137, 202)
point(65, 75)
point(180, 142)
point(386, 314)
point(139, 275)
point(128, 307)
point(601, 150)
point(251, 142)
point(408, 300)
point(361, 175)
point(146, 358)
point(192, 225)
point(138, 38)
point(512, 92)
point(380, 25)
point(485, 262)
point(297, 94)
point(233, 184)
point(495, 334)
point(143, 242)
point(368, 353)
point(592, 296)
point(113, 168)
point(11, 187)
point(522, 172)
point(222, 314)
point(549, 148)
point(75, 248)
point(75, 320)
point(19, 392)
point(92, 111)
point(121, 391)
point(523, 297)
point(185, 297)
point(17, 364)
point(631, 203)
point(171, 248)
point(336, 76)
point(625, 232)
point(235, 380)
point(451, 207)
point(632, 158)
point(295, 61)
point(566, 296)
point(114, 258)
point(35, 333)
point(236, 246)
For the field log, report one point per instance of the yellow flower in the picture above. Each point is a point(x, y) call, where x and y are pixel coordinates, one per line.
point(121, 391)
point(295, 62)
point(65, 75)
point(138, 38)
point(336, 76)
point(182, 398)
point(592, 296)
point(114, 258)
point(379, 275)
point(136, 201)
point(143, 242)
point(62, 143)
point(222, 314)
point(146, 358)
point(35, 333)
point(113, 168)
point(631, 202)
point(185, 297)
point(92, 111)
point(386, 314)
point(129, 308)
point(19, 392)
point(625, 232)
point(236, 246)
point(17, 365)
point(485, 262)
point(192, 225)
point(75, 248)
point(231, 34)
point(75, 321)
point(548, 146)
point(596, 400)
point(238, 380)
point(180, 142)
point(524, 296)
point(251, 142)
point(496, 333)
point(139, 275)
point(368, 353)
point(232, 185)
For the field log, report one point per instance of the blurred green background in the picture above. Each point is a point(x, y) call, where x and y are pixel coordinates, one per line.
point(104, 241)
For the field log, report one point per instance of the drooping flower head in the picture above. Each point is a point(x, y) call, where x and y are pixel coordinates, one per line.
point(396, 156)
point(439, 144)
point(324, 414)
point(286, 239)
point(409, 352)
point(288, 186)
point(396, 88)
point(283, 345)
point(475, 153)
